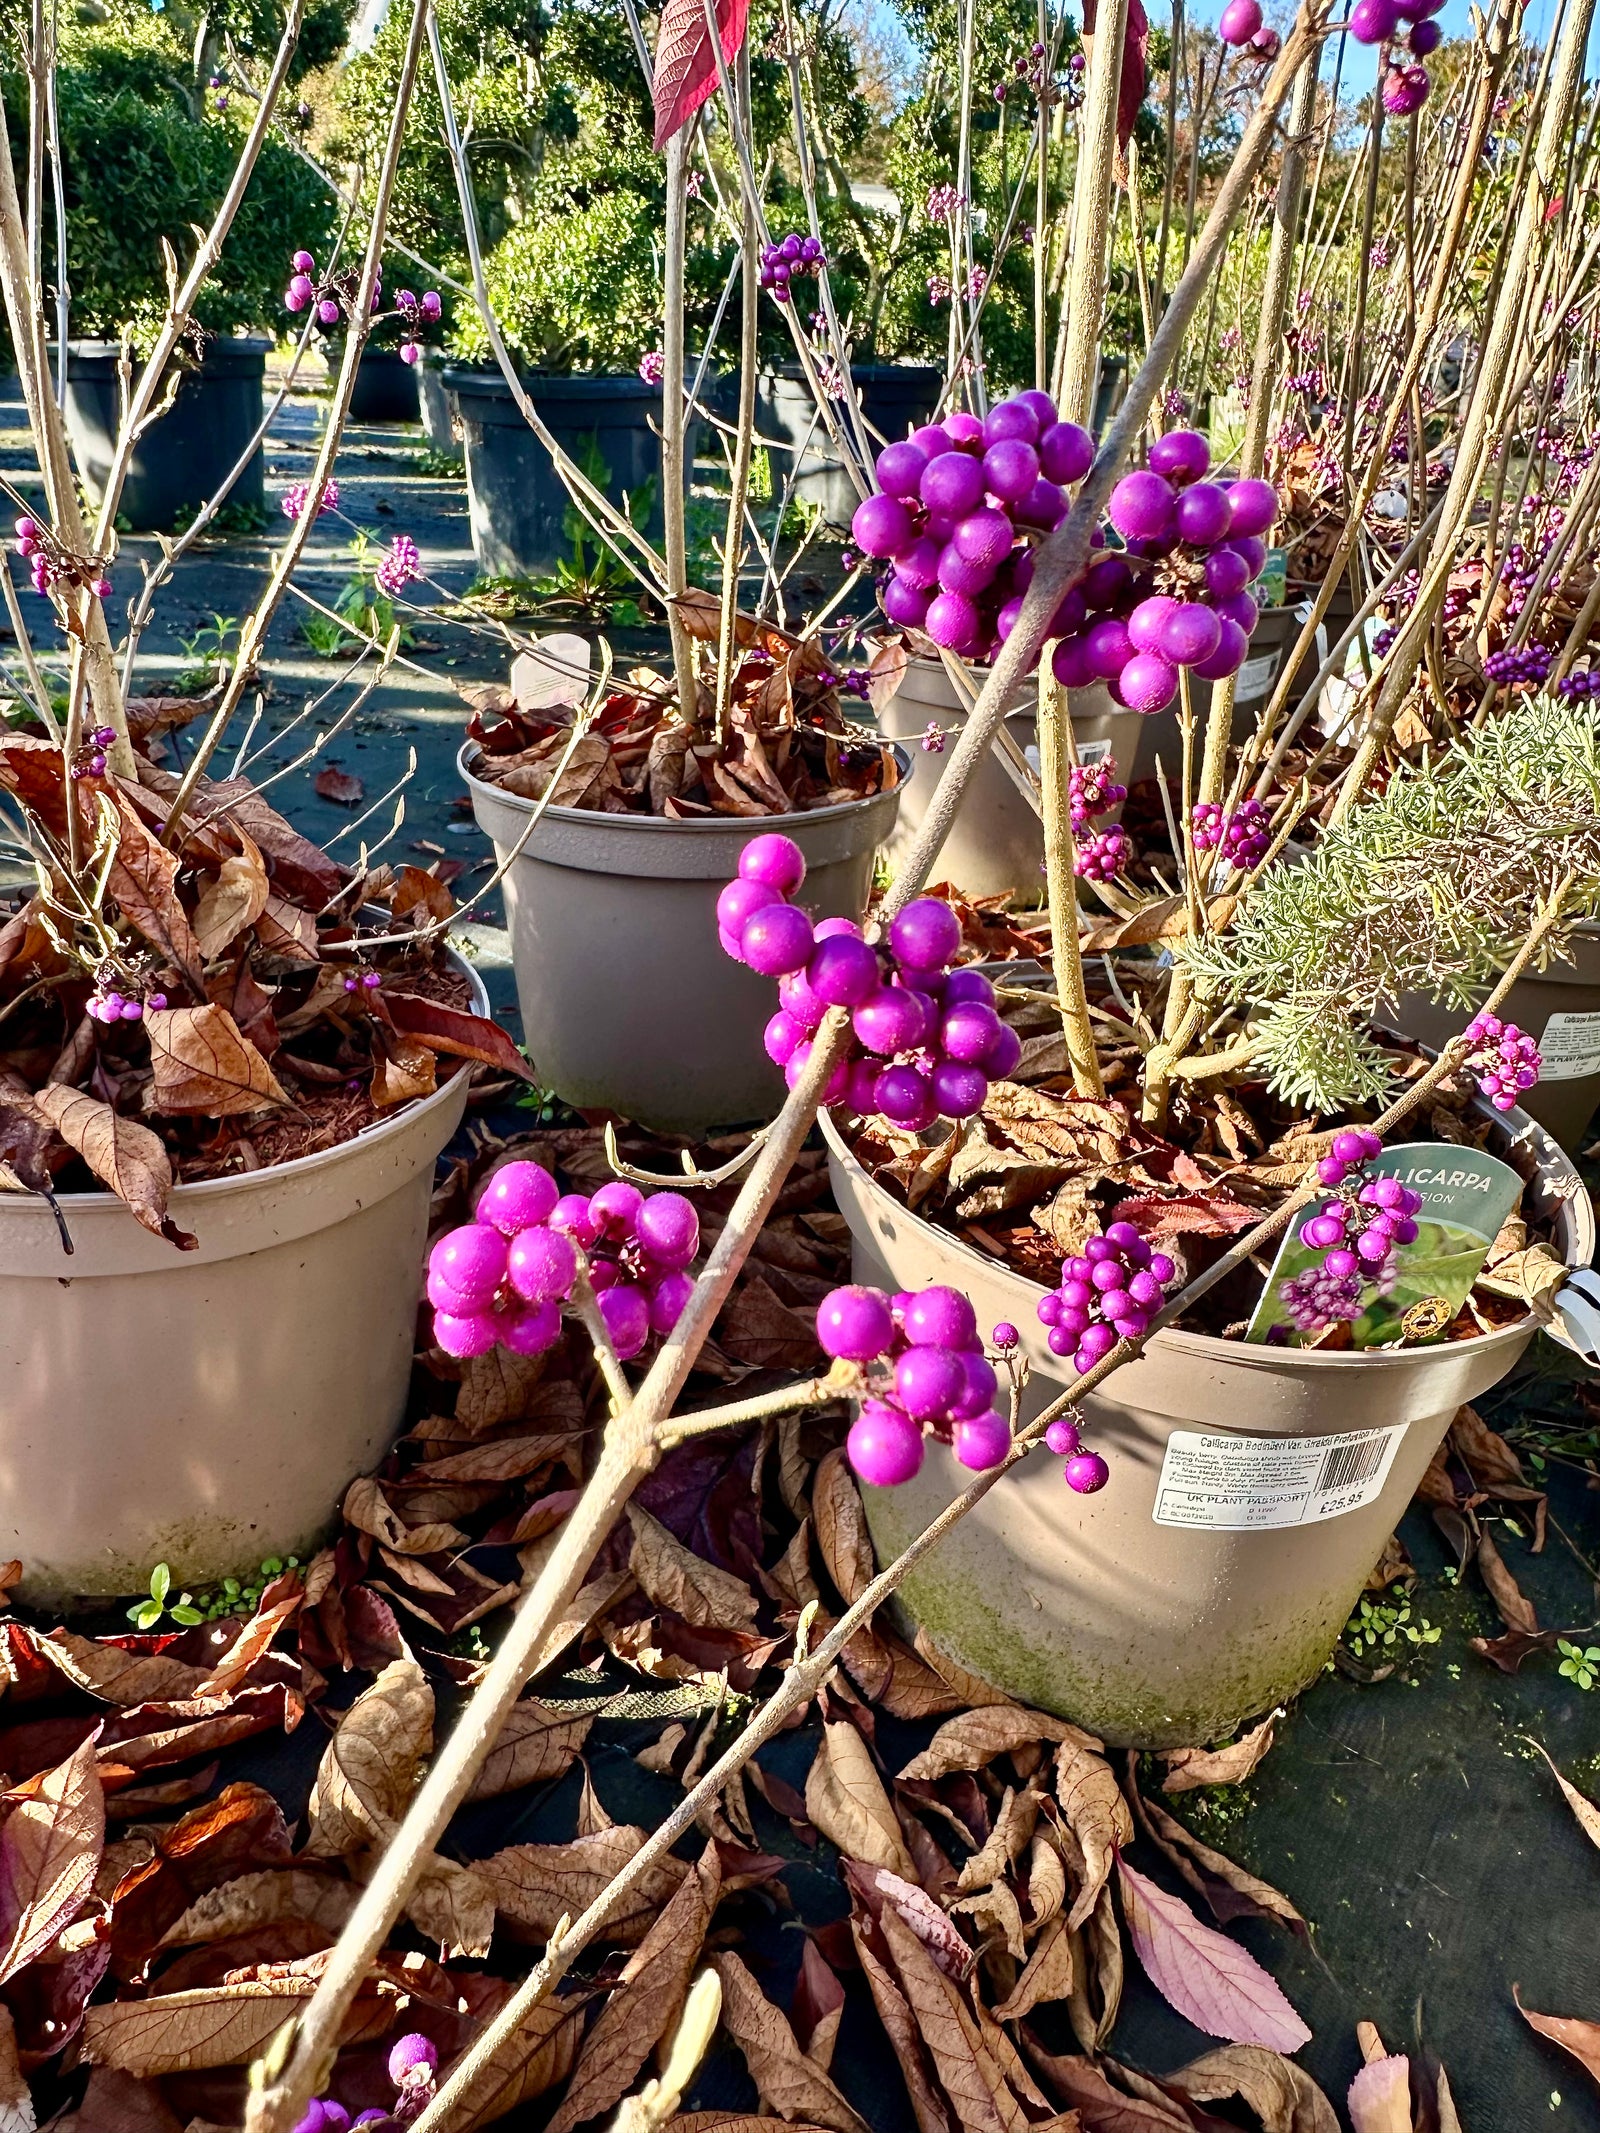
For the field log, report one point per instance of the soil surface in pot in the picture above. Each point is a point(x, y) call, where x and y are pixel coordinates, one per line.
point(789, 748)
point(238, 1003)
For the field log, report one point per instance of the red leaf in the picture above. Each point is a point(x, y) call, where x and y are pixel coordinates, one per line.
point(686, 66)
point(1212, 1981)
point(339, 786)
point(451, 1029)
point(1135, 45)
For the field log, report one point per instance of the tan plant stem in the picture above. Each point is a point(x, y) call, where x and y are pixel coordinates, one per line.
point(1501, 39)
point(744, 436)
point(253, 637)
point(784, 1400)
point(153, 377)
point(1478, 431)
point(1055, 787)
point(25, 316)
point(674, 422)
point(298, 2065)
point(1091, 217)
point(1276, 292)
point(611, 526)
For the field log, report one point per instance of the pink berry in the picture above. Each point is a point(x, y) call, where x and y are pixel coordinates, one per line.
point(1180, 456)
point(1203, 514)
point(1043, 506)
point(1192, 635)
point(939, 1317)
point(1232, 645)
point(669, 1299)
point(884, 1447)
point(925, 935)
point(981, 1442)
point(958, 1091)
point(1066, 453)
point(952, 620)
point(774, 860)
point(1087, 1472)
point(614, 1208)
point(1141, 506)
point(1254, 504)
point(472, 1261)
point(532, 1330)
point(905, 1098)
point(776, 940)
point(842, 972)
point(472, 1333)
point(881, 526)
point(855, 1323)
point(518, 1196)
point(542, 1265)
point(1148, 682)
point(1239, 21)
point(984, 537)
point(1010, 469)
point(740, 899)
point(899, 468)
point(905, 605)
point(1062, 1437)
point(953, 484)
point(1004, 1056)
point(303, 263)
point(1008, 420)
point(668, 1227)
point(928, 1382)
point(626, 1311)
point(412, 2055)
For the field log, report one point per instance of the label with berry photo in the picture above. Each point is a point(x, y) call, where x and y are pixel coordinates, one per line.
point(1391, 1253)
point(1569, 1047)
point(1232, 1484)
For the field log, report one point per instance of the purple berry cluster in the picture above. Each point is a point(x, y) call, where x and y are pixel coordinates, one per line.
point(1319, 1297)
point(1356, 1233)
point(413, 2068)
point(109, 1005)
point(90, 761)
point(933, 1379)
point(925, 1040)
point(1177, 597)
point(294, 499)
point(1242, 24)
point(1582, 685)
point(332, 298)
point(1100, 855)
point(1504, 1060)
point(50, 565)
point(1525, 666)
point(400, 565)
point(1092, 790)
point(954, 500)
point(504, 1276)
point(790, 256)
point(1243, 838)
point(1109, 1291)
point(1379, 22)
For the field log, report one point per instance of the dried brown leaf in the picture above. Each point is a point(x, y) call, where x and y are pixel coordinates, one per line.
point(204, 1063)
point(846, 1799)
point(966, 2071)
point(841, 1527)
point(792, 2084)
point(339, 786)
point(534, 1744)
point(900, 2026)
point(1583, 1808)
point(217, 2025)
point(674, 1577)
point(231, 901)
point(1098, 1817)
point(1231, 1890)
point(1101, 2108)
point(977, 1737)
point(369, 1768)
point(16, 2099)
point(1188, 1768)
point(534, 1884)
point(123, 1155)
point(1516, 1609)
point(1581, 2039)
point(541, 2053)
point(646, 2002)
point(1282, 2095)
point(1047, 1975)
point(50, 1846)
point(144, 881)
point(265, 1899)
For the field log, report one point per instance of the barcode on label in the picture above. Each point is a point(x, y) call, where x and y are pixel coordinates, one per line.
point(1348, 1464)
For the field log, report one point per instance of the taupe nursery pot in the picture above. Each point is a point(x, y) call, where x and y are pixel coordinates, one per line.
point(1559, 1007)
point(996, 843)
point(207, 1409)
point(628, 1001)
point(1167, 1635)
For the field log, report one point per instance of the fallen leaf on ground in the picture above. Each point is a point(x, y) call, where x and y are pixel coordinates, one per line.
point(1188, 1768)
point(1232, 1891)
point(538, 2055)
point(675, 1577)
point(50, 1848)
point(645, 2003)
point(16, 2099)
point(534, 1883)
point(535, 1743)
point(1283, 2096)
point(1101, 2108)
point(1516, 1609)
point(794, 2085)
point(1098, 1816)
point(261, 1899)
point(977, 1737)
point(1581, 2039)
point(1588, 1815)
point(1379, 2098)
point(845, 1798)
point(219, 2025)
point(230, 901)
point(369, 1768)
point(966, 2072)
point(339, 786)
point(1212, 1981)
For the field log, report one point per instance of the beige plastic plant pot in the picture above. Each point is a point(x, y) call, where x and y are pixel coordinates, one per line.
point(628, 1002)
point(997, 842)
point(207, 1409)
point(1559, 1007)
point(1163, 1635)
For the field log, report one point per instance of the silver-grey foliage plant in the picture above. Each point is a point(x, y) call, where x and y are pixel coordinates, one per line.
point(1429, 888)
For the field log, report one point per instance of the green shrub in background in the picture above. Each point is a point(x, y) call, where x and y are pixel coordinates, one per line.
point(147, 154)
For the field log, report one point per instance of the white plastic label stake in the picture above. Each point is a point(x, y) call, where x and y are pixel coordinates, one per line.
point(1255, 678)
point(1231, 1484)
point(1570, 1047)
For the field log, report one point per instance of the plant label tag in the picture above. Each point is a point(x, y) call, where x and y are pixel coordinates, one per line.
point(1232, 1484)
point(1570, 1047)
point(1256, 678)
point(1414, 1293)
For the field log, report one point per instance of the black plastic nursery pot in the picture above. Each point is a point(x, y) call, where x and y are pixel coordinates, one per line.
point(182, 460)
point(385, 388)
point(518, 502)
point(895, 397)
point(437, 403)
